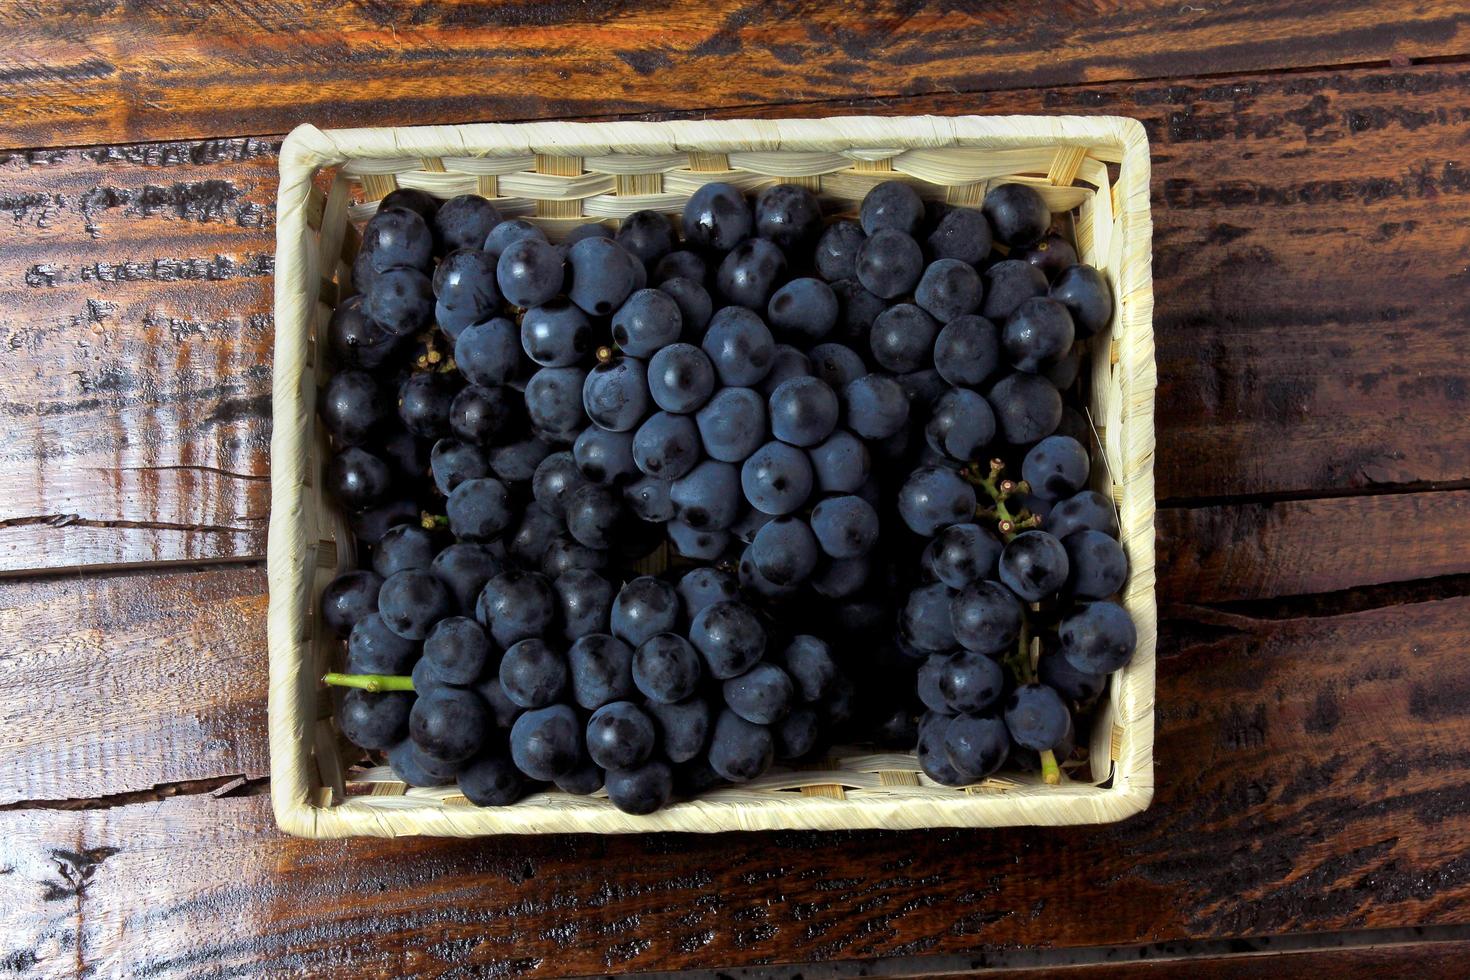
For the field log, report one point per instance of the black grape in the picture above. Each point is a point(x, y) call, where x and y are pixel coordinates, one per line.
point(412, 765)
point(838, 578)
point(601, 274)
point(547, 743)
point(604, 456)
point(967, 350)
point(933, 497)
point(679, 264)
point(740, 750)
point(836, 364)
point(1037, 717)
point(423, 203)
point(876, 406)
point(516, 605)
point(452, 462)
point(1008, 284)
point(788, 215)
point(700, 587)
point(808, 662)
point(729, 637)
point(404, 546)
point(961, 233)
point(1099, 638)
point(740, 346)
point(479, 509)
point(372, 648)
point(786, 363)
point(462, 222)
point(803, 311)
point(449, 724)
point(593, 512)
point(837, 250)
point(556, 333)
point(400, 301)
point(412, 601)
point(785, 551)
point(1038, 335)
point(680, 378)
point(666, 445)
point(683, 727)
point(856, 310)
point(961, 426)
point(647, 235)
point(424, 401)
point(708, 497)
point(892, 204)
point(777, 478)
point(1018, 215)
point(933, 756)
point(1088, 509)
point(619, 736)
point(483, 415)
point(1034, 565)
point(964, 554)
point(949, 289)
point(970, 683)
point(732, 425)
point(1084, 292)
point(717, 216)
point(398, 238)
point(508, 232)
point(695, 305)
point(641, 790)
point(646, 322)
point(464, 568)
point(798, 734)
point(762, 695)
point(532, 674)
point(488, 353)
point(459, 649)
point(374, 721)
point(644, 607)
point(351, 407)
point(1027, 408)
point(803, 411)
point(465, 290)
point(845, 526)
point(357, 478)
point(556, 479)
point(1056, 467)
point(491, 779)
point(650, 499)
point(584, 602)
point(1052, 255)
point(615, 394)
point(986, 617)
point(976, 746)
point(355, 340)
point(601, 670)
point(1056, 672)
point(554, 402)
point(889, 264)
point(925, 619)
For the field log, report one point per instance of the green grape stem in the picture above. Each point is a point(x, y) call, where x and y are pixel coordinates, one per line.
point(1010, 523)
point(377, 683)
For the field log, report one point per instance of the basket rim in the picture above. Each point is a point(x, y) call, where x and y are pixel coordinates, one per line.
point(308, 149)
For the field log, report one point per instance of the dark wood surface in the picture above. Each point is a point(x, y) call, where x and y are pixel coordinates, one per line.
point(1312, 213)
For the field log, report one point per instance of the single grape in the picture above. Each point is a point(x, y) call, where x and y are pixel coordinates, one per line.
point(948, 290)
point(961, 233)
point(402, 547)
point(1052, 255)
point(641, 790)
point(695, 305)
point(458, 649)
point(464, 568)
point(785, 551)
point(666, 668)
point(357, 478)
point(351, 407)
point(615, 394)
point(932, 498)
point(845, 526)
point(892, 204)
point(788, 215)
point(751, 580)
point(650, 499)
point(926, 682)
point(976, 746)
point(803, 411)
point(732, 425)
point(933, 757)
point(533, 535)
point(1038, 335)
point(604, 456)
point(532, 674)
point(680, 378)
point(708, 497)
point(644, 607)
point(836, 364)
point(401, 301)
point(666, 445)
point(491, 779)
point(679, 264)
point(740, 346)
point(1065, 372)
point(397, 238)
point(412, 601)
point(424, 403)
point(889, 264)
point(1057, 673)
point(547, 742)
point(506, 233)
point(502, 709)
point(970, 683)
point(601, 274)
point(683, 727)
point(648, 321)
point(619, 736)
point(1018, 215)
point(422, 203)
point(903, 338)
point(465, 289)
point(1027, 408)
point(516, 605)
point(584, 602)
point(601, 670)
point(700, 587)
point(479, 509)
point(729, 637)
point(876, 406)
point(762, 695)
point(484, 415)
point(961, 426)
point(1084, 291)
point(717, 217)
point(588, 229)
point(488, 353)
point(1088, 509)
point(1056, 467)
point(856, 310)
point(416, 768)
point(556, 333)
point(452, 462)
point(647, 235)
point(925, 621)
point(374, 721)
point(740, 750)
point(808, 662)
point(372, 648)
point(841, 463)
point(1098, 638)
point(1008, 284)
point(593, 515)
point(557, 477)
point(803, 311)
point(798, 734)
point(584, 779)
point(449, 724)
point(1034, 565)
point(777, 478)
point(965, 554)
point(554, 402)
point(355, 340)
point(1037, 717)
point(837, 250)
point(461, 222)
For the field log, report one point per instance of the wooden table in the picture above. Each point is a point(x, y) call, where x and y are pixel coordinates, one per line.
point(1312, 214)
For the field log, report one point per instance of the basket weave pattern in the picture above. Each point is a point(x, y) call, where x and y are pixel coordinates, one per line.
point(560, 175)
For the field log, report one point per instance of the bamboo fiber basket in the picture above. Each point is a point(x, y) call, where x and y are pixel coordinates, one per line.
point(562, 174)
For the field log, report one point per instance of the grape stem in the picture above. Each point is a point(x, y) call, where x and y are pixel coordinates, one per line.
point(1010, 523)
point(1051, 773)
point(376, 683)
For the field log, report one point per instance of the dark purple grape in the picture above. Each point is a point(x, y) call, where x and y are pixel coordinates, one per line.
point(889, 264)
point(976, 746)
point(903, 337)
point(680, 378)
point(841, 463)
point(808, 661)
point(533, 535)
point(503, 709)
point(1099, 638)
point(488, 353)
point(557, 478)
point(357, 478)
point(892, 204)
point(740, 750)
point(516, 605)
point(479, 509)
point(352, 405)
point(458, 649)
point(1037, 717)
point(1057, 673)
point(788, 215)
point(732, 425)
point(987, 618)
point(584, 602)
point(695, 306)
point(925, 621)
point(1008, 284)
point(556, 333)
point(554, 402)
point(729, 637)
point(1084, 291)
point(466, 291)
point(615, 394)
point(403, 547)
point(452, 462)
point(1088, 509)
point(845, 526)
point(749, 274)
point(372, 648)
point(416, 768)
point(464, 568)
point(708, 497)
point(666, 668)
point(593, 515)
point(786, 363)
point(564, 554)
point(1064, 373)
point(483, 415)
point(401, 301)
point(1056, 467)
point(647, 235)
point(837, 250)
point(798, 734)
point(644, 607)
point(838, 578)
point(1038, 335)
point(397, 238)
point(601, 670)
point(876, 407)
point(970, 683)
point(1034, 565)
point(547, 743)
point(777, 478)
point(641, 790)
point(803, 411)
point(412, 601)
point(583, 780)
point(1018, 215)
point(1052, 255)
point(620, 736)
point(803, 311)
point(666, 446)
point(856, 310)
point(646, 322)
point(683, 727)
point(717, 217)
point(961, 233)
point(932, 754)
point(762, 695)
point(649, 499)
point(508, 232)
point(749, 523)
point(948, 290)
point(603, 456)
point(463, 222)
point(700, 587)
point(837, 365)
point(680, 264)
point(355, 340)
point(374, 721)
point(532, 674)
point(424, 402)
point(601, 274)
point(1027, 408)
point(933, 497)
point(449, 724)
point(961, 426)
point(424, 204)
point(491, 779)
point(785, 551)
point(751, 580)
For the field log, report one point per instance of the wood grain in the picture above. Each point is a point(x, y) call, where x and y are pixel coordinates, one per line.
point(121, 682)
point(114, 72)
point(1236, 552)
point(135, 337)
point(1310, 778)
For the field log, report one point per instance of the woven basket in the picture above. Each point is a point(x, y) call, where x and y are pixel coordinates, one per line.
point(560, 175)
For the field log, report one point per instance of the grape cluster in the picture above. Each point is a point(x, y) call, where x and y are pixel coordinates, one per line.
point(803, 409)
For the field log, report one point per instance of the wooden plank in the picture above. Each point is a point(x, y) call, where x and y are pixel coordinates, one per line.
point(131, 680)
point(1443, 960)
point(1277, 200)
point(177, 69)
point(135, 338)
point(1264, 550)
point(1310, 778)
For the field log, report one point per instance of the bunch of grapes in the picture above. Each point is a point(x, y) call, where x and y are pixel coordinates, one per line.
point(516, 423)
